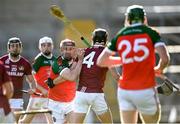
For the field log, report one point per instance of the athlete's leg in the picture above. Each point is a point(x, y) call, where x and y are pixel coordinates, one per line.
point(78, 117)
point(16, 105)
point(128, 110)
point(35, 104)
point(155, 118)
point(26, 118)
point(100, 107)
point(129, 116)
point(81, 107)
point(49, 118)
point(149, 107)
point(16, 116)
point(105, 116)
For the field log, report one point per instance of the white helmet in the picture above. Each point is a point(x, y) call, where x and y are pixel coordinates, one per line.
point(45, 40)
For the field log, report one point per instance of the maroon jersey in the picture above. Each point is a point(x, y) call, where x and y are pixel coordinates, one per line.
point(92, 77)
point(3, 79)
point(17, 70)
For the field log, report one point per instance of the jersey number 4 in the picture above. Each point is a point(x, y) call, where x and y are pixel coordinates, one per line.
point(139, 45)
point(88, 60)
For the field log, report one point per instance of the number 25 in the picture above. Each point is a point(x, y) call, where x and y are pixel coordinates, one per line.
point(136, 48)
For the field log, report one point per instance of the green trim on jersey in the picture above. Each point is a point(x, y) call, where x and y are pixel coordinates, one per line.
point(59, 64)
point(134, 30)
point(41, 60)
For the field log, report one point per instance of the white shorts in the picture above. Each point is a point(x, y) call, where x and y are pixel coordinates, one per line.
point(144, 101)
point(37, 103)
point(60, 109)
point(83, 102)
point(6, 119)
point(16, 103)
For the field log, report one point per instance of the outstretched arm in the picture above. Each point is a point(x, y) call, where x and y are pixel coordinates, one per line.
point(164, 59)
point(115, 74)
point(32, 83)
point(73, 73)
point(106, 59)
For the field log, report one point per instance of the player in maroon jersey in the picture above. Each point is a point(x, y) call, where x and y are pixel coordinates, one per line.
point(6, 92)
point(17, 68)
point(91, 82)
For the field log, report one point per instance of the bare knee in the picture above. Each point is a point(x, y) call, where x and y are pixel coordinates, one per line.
point(105, 116)
point(152, 118)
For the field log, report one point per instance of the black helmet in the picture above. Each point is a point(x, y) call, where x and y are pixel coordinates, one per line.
point(99, 35)
point(14, 40)
point(135, 13)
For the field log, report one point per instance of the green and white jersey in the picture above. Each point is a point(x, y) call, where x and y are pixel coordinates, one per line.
point(41, 68)
point(135, 45)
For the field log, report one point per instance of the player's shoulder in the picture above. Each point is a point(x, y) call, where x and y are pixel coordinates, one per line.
point(150, 29)
point(38, 58)
point(155, 30)
point(24, 60)
point(4, 57)
point(122, 30)
point(54, 57)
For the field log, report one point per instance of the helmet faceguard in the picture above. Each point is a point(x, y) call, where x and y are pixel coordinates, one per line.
point(67, 42)
point(45, 40)
point(14, 40)
point(67, 49)
point(99, 36)
point(135, 13)
point(47, 51)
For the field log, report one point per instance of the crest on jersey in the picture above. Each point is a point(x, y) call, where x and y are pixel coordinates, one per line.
point(59, 61)
point(7, 61)
point(21, 68)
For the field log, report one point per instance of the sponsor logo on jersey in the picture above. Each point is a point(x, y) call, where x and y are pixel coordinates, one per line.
point(46, 62)
point(18, 74)
point(51, 62)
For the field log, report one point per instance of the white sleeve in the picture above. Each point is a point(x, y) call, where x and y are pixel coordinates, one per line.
point(63, 71)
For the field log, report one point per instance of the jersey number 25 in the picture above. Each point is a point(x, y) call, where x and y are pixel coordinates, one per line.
point(139, 45)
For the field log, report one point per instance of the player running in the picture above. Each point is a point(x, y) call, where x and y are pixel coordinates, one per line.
point(62, 94)
point(136, 44)
point(41, 72)
point(17, 68)
point(90, 94)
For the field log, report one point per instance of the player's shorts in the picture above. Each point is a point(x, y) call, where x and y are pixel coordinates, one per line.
point(60, 109)
point(97, 102)
point(16, 103)
point(37, 103)
point(6, 119)
point(144, 101)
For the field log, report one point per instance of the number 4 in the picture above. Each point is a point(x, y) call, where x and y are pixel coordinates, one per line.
point(88, 60)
